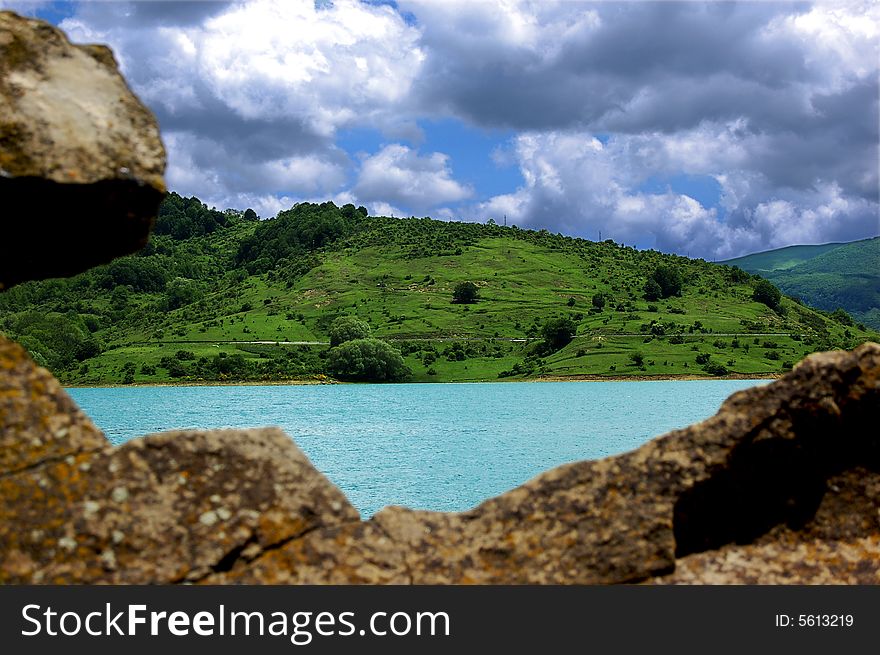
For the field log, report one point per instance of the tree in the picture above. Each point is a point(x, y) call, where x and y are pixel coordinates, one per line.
point(668, 279)
point(652, 290)
point(841, 316)
point(599, 300)
point(558, 332)
point(348, 328)
point(637, 358)
point(465, 293)
point(367, 360)
point(181, 291)
point(766, 293)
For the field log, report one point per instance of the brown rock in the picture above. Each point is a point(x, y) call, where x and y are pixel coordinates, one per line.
point(39, 422)
point(839, 545)
point(166, 508)
point(81, 161)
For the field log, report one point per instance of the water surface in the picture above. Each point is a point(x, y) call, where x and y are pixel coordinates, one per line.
point(426, 446)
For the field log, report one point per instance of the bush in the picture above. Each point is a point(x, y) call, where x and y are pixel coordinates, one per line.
point(702, 358)
point(599, 301)
point(465, 293)
point(714, 368)
point(557, 333)
point(181, 291)
point(367, 360)
point(637, 358)
point(667, 281)
point(842, 317)
point(765, 292)
point(348, 328)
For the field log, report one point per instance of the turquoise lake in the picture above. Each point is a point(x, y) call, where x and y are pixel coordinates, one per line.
point(426, 446)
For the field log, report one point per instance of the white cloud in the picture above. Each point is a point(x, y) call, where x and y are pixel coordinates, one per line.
point(401, 176)
point(576, 184)
point(777, 102)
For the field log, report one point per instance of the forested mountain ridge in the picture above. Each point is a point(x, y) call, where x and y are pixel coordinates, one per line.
point(844, 275)
point(224, 296)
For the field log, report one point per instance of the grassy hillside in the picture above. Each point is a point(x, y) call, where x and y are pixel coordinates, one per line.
point(828, 276)
point(221, 296)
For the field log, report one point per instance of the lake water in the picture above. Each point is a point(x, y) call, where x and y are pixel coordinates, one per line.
point(426, 446)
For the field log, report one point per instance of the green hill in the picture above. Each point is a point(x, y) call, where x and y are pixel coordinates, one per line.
point(829, 276)
point(780, 259)
point(222, 296)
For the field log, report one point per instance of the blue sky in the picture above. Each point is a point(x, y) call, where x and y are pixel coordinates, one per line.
point(708, 128)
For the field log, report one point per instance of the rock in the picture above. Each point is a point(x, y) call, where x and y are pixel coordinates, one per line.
point(839, 545)
point(782, 485)
point(166, 508)
point(39, 423)
point(81, 161)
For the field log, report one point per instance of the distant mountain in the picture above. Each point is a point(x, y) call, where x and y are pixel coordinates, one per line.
point(827, 276)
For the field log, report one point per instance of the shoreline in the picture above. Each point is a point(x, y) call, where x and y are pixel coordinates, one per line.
point(587, 377)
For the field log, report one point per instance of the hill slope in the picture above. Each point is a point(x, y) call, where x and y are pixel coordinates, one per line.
point(828, 276)
point(781, 258)
point(221, 296)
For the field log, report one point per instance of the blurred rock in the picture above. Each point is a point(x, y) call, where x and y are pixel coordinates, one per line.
point(39, 423)
point(81, 161)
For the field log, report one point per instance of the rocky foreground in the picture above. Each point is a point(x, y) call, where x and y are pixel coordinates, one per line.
point(781, 486)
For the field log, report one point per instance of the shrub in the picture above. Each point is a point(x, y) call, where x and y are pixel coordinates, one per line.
point(368, 360)
point(765, 292)
point(702, 358)
point(667, 281)
point(715, 368)
point(465, 293)
point(842, 317)
point(348, 328)
point(557, 333)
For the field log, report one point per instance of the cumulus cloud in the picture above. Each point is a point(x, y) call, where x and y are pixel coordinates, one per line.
point(575, 183)
point(250, 95)
point(400, 175)
point(777, 102)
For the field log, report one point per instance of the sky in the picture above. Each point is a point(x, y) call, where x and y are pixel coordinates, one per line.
point(708, 129)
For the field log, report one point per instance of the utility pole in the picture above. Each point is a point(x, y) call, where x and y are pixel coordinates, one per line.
point(505, 220)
